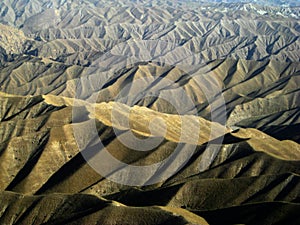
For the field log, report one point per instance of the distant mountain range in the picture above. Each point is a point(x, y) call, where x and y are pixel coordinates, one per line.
point(289, 3)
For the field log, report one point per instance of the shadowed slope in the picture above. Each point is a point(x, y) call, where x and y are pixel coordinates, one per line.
point(81, 80)
point(83, 209)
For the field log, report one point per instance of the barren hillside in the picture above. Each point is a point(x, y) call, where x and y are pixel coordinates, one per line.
point(149, 112)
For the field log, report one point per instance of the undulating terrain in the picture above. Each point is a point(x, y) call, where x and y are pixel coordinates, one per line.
point(149, 112)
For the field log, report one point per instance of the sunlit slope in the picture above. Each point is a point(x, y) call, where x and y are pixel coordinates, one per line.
point(40, 156)
point(41, 125)
point(209, 88)
point(263, 95)
point(86, 209)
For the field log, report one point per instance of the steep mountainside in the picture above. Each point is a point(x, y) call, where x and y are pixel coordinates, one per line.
point(149, 112)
